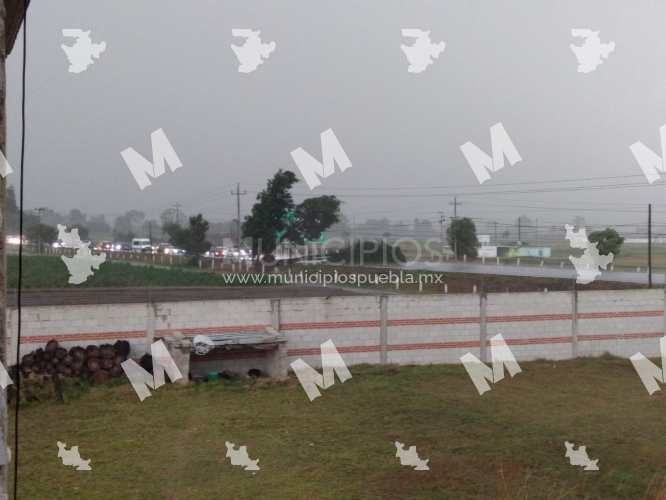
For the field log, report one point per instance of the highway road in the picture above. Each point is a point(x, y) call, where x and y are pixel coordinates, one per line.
point(533, 271)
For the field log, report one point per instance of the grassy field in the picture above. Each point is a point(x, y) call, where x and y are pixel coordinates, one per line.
point(506, 444)
point(44, 272)
point(51, 272)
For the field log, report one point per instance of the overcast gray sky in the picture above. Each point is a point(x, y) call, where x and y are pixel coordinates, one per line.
point(338, 64)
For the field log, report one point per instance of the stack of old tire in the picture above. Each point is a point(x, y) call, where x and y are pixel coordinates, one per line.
point(94, 363)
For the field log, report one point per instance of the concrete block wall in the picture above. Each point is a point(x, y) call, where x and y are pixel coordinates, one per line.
point(79, 325)
point(420, 329)
point(432, 328)
point(540, 327)
point(622, 322)
point(192, 318)
point(352, 323)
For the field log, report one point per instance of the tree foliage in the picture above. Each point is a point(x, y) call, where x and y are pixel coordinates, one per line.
point(84, 232)
point(608, 241)
point(276, 212)
point(461, 235)
point(192, 239)
point(41, 232)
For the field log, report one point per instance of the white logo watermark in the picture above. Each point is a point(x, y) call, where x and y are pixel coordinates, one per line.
point(410, 457)
point(80, 265)
point(331, 152)
point(501, 145)
point(648, 160)
point(587, 266)
point(81, 53)
point(241, 457)
point(648, 371)
point(142, 168)
point(162, 361)
point(72, 457)
point(501, 356)
point(419, 55)
point(590, 53)
point(5, 379)
point(579, 457)
point(331, 362)
point(251, 52)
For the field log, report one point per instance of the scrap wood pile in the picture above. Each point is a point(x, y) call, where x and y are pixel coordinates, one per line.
point(94, 363)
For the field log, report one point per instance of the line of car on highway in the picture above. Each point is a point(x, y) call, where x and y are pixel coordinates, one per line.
point(144, 245)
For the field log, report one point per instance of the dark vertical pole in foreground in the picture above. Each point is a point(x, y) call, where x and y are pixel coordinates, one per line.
point(650, 245)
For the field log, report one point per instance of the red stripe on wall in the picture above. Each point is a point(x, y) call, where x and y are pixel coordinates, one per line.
point(632, 314)
point(530, 317)
point(468, 345)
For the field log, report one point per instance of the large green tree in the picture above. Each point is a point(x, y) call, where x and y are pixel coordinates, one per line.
point(84, 232)
point(12, 224)
point(608, 241)
point(275, 212)
point(461, 234)
point(192, 239)
point(41, 233)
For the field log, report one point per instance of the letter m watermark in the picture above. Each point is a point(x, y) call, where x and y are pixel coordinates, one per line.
point(501, 356)
point(142, 168)
point(648, 371)
point(501, 145)
point(331, 362)
point(331, 152)
point(648, 160)
point(140, 378)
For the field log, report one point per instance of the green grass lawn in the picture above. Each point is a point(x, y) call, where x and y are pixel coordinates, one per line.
point(506, 444)
point(51, 272)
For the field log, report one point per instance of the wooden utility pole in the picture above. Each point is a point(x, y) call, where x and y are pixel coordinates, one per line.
point(238, 195)
point(455, 227)
point(39, 211)
point(12, 13)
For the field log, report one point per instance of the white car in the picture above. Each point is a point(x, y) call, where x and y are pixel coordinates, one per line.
point(141, 245)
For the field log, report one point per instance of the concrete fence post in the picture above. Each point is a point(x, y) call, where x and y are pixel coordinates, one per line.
point(574, 321)
point(664, 314)
point(275, 314)
point(383, 329)
point(483, 303)
point(150, 326)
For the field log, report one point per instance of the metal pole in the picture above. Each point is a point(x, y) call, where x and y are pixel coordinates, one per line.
point(39, 221)
point(454, 230)
point(650, 245)
point(238, 221)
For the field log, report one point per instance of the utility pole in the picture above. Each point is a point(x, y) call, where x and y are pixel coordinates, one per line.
point(650, 245)
point(39, 219)
point(150, 235)
point(455, 228)
point(353, 229)
point(441, 228)
point(536, 232)
point(12, 15)
point(495, 233)
point(238, 195)
point(177, 205)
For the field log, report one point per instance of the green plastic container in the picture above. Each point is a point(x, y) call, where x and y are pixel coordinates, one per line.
point(212, 376)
